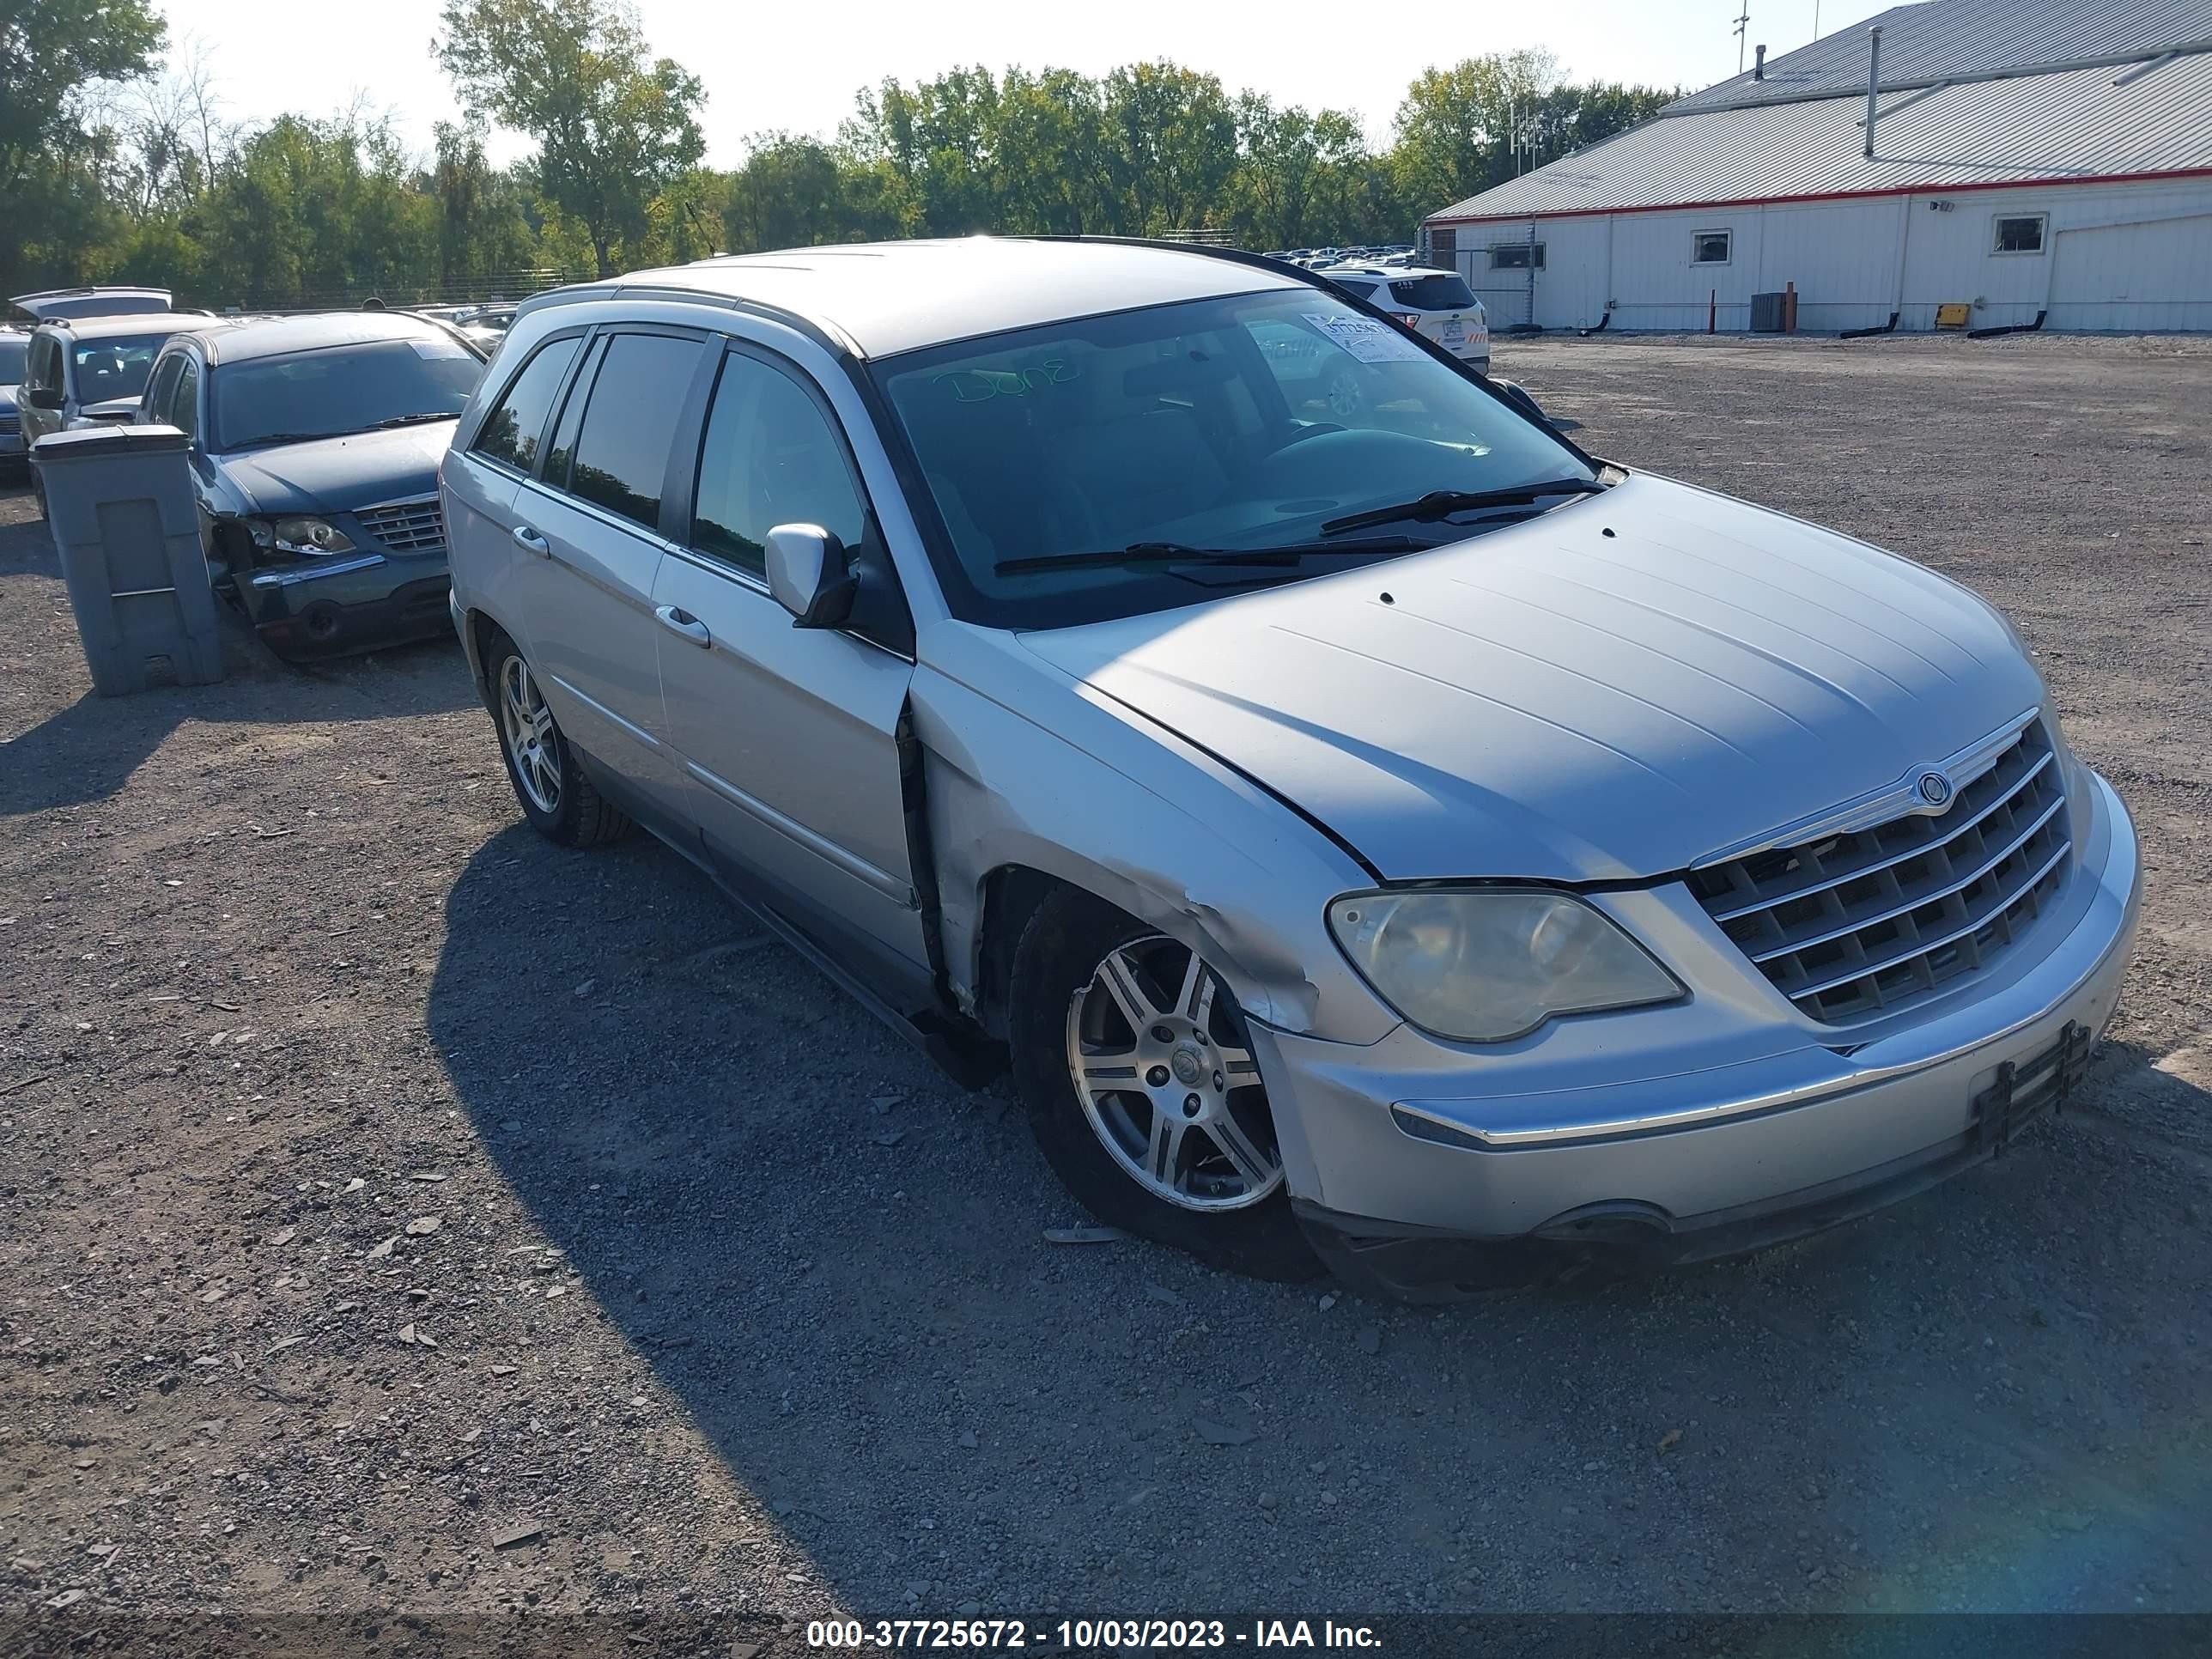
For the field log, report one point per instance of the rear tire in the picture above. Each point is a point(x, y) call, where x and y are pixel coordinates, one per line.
point(549, 782)
point(1223, 1198)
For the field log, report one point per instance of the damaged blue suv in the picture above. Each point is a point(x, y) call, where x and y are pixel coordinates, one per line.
point(315, 445)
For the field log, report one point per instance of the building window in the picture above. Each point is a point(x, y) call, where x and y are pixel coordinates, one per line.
point(1516, 256)
point(2020, 232)
point(1443, 242)
point(1709, 248)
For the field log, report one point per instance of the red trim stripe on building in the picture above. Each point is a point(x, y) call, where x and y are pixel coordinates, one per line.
point(1829, 195)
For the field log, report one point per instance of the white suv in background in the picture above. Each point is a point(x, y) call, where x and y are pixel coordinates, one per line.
point(1436, 303)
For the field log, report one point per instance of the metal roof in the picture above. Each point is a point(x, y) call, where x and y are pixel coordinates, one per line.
point(2080, 124)
point(1960, 39)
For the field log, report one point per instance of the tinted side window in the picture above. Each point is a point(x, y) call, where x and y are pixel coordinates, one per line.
point(184, 402)
point(637, 397)
point(511, 432)
point(769, 457)
point(572, 417)
point(162, 388)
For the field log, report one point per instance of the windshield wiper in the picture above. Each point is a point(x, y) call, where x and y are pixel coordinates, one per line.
point(263, 441)
point(1138, 553)
point(1443, 503)
point(410, 419)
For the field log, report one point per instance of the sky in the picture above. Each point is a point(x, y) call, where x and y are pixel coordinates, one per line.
point(796, 67)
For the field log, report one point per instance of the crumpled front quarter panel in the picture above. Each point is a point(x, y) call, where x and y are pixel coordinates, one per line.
point(1026, 767)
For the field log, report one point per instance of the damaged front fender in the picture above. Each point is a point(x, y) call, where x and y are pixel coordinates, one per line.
point(1046, 774)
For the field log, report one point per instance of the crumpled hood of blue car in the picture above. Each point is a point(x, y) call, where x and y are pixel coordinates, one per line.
point(338, 475)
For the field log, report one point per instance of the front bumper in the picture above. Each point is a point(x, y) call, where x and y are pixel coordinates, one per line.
point(353, 602)
point(1407, 1189)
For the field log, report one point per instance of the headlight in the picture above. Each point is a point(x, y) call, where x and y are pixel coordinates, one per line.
point(315, 537)
point(1484, 964)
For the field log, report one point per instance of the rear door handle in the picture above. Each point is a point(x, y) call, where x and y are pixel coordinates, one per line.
point(684, 622)
point(531, 541)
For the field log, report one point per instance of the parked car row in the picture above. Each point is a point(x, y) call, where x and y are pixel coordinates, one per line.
point(1320, 258)
point(482, 323)
point(1372, 831)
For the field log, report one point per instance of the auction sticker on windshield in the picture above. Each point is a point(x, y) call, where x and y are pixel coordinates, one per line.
point(1365, 338)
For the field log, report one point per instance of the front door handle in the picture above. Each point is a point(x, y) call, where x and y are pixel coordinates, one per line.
point(531, 541)
point(684, 622)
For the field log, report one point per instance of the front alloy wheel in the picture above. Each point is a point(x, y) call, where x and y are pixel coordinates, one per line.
point(1166, 1081)
point(1139, 1075)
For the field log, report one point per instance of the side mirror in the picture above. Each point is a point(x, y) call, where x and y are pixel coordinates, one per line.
point(43, 396)
point(1520, 397)
point(810, 576)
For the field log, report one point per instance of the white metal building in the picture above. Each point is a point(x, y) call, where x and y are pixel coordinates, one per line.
point(2027, 157)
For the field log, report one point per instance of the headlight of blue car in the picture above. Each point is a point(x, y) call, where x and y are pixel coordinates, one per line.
point(313, 537)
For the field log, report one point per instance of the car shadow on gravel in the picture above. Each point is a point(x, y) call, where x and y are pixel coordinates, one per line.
point(84, 752)
point(835, 1262)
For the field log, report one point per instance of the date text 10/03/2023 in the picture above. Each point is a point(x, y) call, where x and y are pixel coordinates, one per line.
point(1078, 1635)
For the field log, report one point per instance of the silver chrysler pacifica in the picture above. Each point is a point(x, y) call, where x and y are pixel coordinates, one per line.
point(1372, 831)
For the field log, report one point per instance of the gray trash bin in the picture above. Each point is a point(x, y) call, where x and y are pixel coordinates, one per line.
point(120, 502)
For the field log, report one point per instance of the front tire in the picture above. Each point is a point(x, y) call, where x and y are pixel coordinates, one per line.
point(550, 785)
point(1137, 1070)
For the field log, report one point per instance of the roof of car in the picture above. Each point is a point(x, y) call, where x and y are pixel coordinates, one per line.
point(130, 322)
point(888, 297)
point(274, 337)
point(36, 303)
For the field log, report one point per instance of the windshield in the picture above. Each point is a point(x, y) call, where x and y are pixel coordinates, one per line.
point(1432, 292)
point(1248, 422)
point(340, 389)
point(12, 354)
point(115, 366)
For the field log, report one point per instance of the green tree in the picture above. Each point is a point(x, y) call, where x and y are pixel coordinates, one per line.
point(484, 212)
point(312, 212)
point(52, 54)
point(613, 130)
point(1172, 135)
point(1298, 180)
point(792, 192)
point(1053, 172)
point(1455, 131)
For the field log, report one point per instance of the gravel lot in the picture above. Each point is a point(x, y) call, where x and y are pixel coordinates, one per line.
point(400, 1211)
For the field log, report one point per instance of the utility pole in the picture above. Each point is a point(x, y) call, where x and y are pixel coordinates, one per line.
point(1742, 28)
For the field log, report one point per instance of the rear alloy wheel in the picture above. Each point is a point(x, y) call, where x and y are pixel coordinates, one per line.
point(1138, 1072)
point(527, 725)
point(550, 784)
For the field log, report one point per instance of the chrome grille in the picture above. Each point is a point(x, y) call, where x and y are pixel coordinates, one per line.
point(406, 527)
point(1870, 920)
point(11, 421)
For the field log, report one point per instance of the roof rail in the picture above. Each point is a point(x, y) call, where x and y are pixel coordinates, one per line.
point(1235, 256)
point(829, 338)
